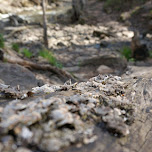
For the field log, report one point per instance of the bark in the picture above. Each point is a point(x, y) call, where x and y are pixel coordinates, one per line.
point(44, 23)
point(139, 93)
point(79, 7)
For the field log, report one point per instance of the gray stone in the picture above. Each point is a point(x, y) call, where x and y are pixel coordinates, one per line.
point(103, 69)
point(21, 149)
point(13, 75)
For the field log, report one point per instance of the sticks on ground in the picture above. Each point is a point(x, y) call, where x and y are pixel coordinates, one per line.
point(29, 64)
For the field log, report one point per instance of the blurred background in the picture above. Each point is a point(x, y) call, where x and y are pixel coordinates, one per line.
point(84, 38)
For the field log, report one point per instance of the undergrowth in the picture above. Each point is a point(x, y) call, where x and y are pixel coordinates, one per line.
point(15, 47)
point(48, 55)
point(2, 43)
point(150, 53)
point(26, 53)
point(127, 53)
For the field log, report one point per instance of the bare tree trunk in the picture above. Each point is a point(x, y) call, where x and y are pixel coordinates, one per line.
point(79, 7)
point(44, 23)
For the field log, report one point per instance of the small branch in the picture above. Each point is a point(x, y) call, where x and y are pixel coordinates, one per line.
point(29, 64)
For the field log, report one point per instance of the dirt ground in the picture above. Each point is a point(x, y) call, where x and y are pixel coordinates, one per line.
point(75, 44)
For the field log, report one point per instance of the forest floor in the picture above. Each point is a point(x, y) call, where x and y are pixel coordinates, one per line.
point(80, 48)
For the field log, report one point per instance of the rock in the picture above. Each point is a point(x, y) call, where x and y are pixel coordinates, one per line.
point(79, 7)
point(1, 81)
point(21, 3)
point(8, 143)
point(67, 118)
point(16, 20)
point(125, 16)
point(1, 147)
point(113, 61)
point(129, 34)
point(62, 117)
point(61, 44)
point(103, 69)
point(8, 92)
point(51, 145)
point(14, 75)
point(72, 69)
point(101, 34)
point(23, 150)
point(149, 36)
point(103, 111)
point(114, 121)
point(26, 133)
point(5, 7)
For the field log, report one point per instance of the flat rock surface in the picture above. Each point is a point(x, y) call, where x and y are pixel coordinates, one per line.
point(139, 95)
point(14, 75)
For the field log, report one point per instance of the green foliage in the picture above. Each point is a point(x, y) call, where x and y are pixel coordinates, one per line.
point(131, 60)
point(127, 53)
point(15, 47)
point(26, 53)
point(2, 43)
point(50, 58)
point(150, 53)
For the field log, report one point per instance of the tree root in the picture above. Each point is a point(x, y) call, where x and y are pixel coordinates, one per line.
point(14, 59)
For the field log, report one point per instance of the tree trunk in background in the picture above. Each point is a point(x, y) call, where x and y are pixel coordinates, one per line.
point(44, 24)
point(78, 9)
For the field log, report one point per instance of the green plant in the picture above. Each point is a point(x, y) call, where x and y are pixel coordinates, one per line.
point(127, 52)
point(131, 60)
point(50, 58)
point(26, 53)
point(2, 43)
point(15, 47)
point(150, 53)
